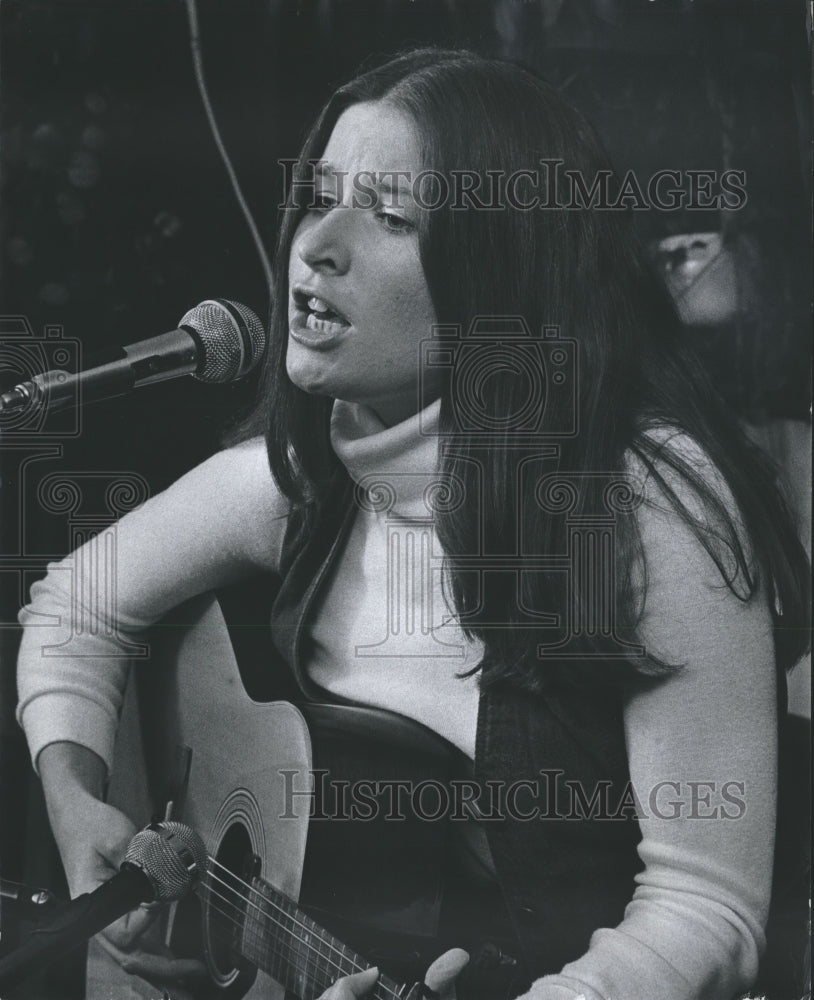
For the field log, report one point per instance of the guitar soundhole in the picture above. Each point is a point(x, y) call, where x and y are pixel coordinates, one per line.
point(228, 898)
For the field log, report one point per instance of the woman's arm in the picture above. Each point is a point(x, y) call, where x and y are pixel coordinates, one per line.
point(214, 525)
point(694, 927)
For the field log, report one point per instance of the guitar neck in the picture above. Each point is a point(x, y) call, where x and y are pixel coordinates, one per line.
point(283, 941)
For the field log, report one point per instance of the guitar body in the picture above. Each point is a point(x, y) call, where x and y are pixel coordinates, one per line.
point(266, 786)
point(187, 722)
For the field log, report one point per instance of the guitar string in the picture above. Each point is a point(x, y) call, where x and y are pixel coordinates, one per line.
point(291, 916)
point(294, 956)
point(341, 952)
point(291, 965)
point(238, 922)
point(288, 916)
point(290, 952)
point(344, 956)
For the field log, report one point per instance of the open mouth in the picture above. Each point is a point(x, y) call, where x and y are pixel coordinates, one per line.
point(319, 315)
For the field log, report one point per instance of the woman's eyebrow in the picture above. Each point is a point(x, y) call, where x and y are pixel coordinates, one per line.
point(394, 184)
point(391, 184)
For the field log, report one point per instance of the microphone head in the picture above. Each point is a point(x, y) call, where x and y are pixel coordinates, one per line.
point(171, 855)
point(231, 336)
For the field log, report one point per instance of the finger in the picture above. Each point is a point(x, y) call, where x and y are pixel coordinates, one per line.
point(362, 982)
point(441, 975)
point(349, 987)
point(163, 970)
point(128, 930)
point(159, 969)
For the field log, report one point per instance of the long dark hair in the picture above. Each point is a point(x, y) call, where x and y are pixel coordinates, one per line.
point(584, 271)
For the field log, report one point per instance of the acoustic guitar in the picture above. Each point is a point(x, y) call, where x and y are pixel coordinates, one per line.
point(334, 837)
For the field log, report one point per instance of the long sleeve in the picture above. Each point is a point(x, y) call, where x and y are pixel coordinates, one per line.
point(211, 527)
point(702, 754)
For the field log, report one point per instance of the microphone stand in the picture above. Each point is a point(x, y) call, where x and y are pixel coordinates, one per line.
point(76, 922)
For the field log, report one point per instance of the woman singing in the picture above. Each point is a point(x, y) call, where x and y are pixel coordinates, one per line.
point(620, 582)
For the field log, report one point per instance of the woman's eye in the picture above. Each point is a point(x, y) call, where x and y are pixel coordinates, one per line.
point(395, 223)
point(322, 202)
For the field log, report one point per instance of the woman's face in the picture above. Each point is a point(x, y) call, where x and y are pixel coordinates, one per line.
point(359, 304)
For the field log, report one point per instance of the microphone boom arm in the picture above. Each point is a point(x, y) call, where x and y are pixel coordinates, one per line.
point(74, 923)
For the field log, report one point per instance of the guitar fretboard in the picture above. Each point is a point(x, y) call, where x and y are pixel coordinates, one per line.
point(295, 951)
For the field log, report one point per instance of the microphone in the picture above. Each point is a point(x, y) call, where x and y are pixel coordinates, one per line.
point(162, 863)
point(217, 341)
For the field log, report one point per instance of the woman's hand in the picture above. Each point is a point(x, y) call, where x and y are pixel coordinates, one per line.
point(440, 978)
point(92, 838)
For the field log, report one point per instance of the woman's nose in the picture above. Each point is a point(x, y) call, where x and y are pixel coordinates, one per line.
point(324, 243)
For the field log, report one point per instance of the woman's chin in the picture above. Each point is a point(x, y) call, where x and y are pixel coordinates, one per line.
point(309, 376)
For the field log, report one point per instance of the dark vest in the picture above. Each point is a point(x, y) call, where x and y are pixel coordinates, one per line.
point(565, 872)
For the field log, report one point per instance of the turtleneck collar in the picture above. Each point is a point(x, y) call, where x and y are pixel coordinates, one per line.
point(395, 464)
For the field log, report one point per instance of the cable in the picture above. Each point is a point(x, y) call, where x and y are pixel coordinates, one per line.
point(197, 62)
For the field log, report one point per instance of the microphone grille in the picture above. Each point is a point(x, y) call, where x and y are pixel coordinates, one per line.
point(171, 855)
point(232, 337)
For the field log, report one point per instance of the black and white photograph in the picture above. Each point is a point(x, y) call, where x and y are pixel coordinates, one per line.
point(405, 499)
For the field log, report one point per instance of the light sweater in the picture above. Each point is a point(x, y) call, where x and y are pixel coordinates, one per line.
point(694, 927)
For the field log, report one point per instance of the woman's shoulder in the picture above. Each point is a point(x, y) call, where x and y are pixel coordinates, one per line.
point(241, 470)
point(696, 568)
point(687, 504)
point(234, 498)
point(667, 458)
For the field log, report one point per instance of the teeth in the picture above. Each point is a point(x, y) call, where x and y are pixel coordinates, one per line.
point(317, 304)
point(323, 325)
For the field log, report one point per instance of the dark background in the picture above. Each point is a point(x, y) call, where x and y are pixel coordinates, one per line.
point(117, 214)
